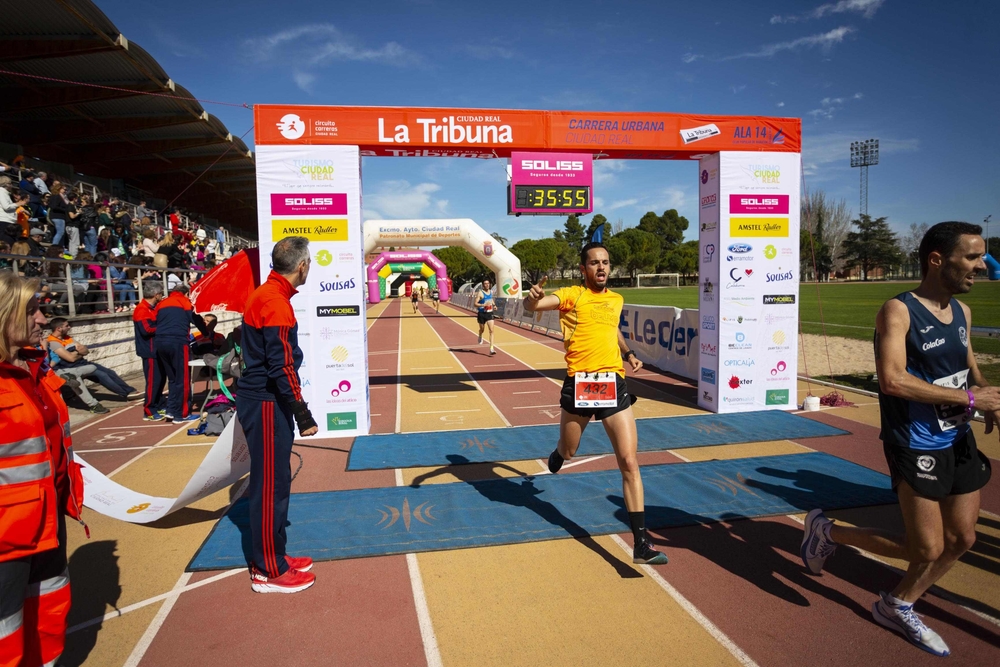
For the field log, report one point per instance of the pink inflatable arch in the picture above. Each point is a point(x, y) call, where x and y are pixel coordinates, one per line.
point(424, 256)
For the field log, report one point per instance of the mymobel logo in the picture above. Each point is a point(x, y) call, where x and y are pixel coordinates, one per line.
point(698, 133)
point(341, 421)
point(779, 299)
point(291, 126)
point(337, 311)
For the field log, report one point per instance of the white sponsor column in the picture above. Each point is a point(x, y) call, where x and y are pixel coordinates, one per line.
point(315, 192)
point(758, 281)
point(709, 290)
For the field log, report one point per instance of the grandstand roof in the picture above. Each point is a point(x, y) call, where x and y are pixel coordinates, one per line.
point(159, 143)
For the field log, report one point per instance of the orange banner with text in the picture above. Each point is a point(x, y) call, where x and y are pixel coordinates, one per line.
point(437, 132)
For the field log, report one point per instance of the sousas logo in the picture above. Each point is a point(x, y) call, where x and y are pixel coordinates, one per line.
point(778, 277)
point(336, 285)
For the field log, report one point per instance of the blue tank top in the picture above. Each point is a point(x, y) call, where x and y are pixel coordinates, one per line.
point(936, 353)
point(487, 300)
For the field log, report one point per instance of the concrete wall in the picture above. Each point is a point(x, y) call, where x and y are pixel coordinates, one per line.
point(111, 339)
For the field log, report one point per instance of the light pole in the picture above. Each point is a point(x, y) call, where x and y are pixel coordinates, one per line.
point(986, 220)
point(864, 154)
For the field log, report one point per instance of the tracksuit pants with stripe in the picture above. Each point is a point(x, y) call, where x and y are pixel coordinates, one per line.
point(34, 604)
point(174, 356)
point(156, 379)
point(270, 432)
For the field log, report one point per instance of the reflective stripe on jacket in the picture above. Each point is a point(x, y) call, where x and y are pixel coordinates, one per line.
point(38, 477)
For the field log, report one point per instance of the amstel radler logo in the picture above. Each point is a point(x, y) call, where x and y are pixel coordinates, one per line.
point(333, 229)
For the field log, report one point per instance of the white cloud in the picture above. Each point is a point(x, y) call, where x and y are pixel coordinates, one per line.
point(401, 200)
point(824, 40)
point(489, 52)
point(598, 202)
point(605, 170)
point(823, 152)
point(830, 105)
point(304, 80)
point(738, 89)
point(781, 104)
point(858, 96)
point(668, 198)
point(866, 8)
point(691, 57)
point(621, 204)
point(320, 44)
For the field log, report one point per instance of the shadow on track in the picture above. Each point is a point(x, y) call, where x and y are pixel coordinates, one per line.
point(520, 491)
point(95, 584)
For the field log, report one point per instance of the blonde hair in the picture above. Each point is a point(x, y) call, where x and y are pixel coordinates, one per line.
point(15, 295)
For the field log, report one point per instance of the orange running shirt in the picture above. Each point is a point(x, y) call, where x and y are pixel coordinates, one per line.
point(589, 322)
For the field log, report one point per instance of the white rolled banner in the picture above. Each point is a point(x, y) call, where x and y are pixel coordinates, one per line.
point(226, 462)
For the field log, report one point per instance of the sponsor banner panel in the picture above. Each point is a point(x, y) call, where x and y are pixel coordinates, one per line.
point(665, 337)
point(487, 133)
point(710, 275)
point(758, 306)
point(315, 192)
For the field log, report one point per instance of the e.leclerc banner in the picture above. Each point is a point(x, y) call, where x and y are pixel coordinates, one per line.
point(315, 192)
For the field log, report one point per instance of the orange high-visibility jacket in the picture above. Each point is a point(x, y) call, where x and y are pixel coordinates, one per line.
point(38, 476)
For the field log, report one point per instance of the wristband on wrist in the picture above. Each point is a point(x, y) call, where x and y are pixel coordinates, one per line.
point(628, 353)
point(972, 403)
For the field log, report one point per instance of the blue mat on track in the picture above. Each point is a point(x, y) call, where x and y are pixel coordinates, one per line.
point(410, 450)
point(374, 522)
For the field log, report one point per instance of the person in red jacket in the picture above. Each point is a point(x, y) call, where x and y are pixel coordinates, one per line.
point(40, 484)
point(268, 398)
point(144, 323)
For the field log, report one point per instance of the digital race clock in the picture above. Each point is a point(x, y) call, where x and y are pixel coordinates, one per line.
point(550, 184)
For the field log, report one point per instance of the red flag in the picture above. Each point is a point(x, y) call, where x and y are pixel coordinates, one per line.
point(228, 286)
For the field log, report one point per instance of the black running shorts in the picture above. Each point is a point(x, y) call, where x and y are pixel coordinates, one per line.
point(484, 317)
point(939, 473)
point(567, 400)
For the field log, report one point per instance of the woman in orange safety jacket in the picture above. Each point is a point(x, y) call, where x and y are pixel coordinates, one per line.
point(39, 485)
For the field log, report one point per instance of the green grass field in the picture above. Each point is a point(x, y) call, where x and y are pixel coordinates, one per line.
point(849, 309)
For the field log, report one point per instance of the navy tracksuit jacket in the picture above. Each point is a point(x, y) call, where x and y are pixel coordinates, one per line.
point(174, 317)
point(269, 384)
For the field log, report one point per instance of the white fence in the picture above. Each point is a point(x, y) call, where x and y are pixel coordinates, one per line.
point(661, 336)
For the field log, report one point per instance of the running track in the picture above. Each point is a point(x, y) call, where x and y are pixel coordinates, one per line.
point(732, 593)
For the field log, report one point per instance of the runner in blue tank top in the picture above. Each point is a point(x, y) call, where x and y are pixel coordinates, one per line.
point(929, 388)
point(485, 307)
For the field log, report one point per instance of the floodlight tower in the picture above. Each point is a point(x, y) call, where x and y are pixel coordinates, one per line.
point(864, 154)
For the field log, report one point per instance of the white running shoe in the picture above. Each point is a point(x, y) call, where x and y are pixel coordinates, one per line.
point(906, 622)
point(816, 543)
point(480, 341)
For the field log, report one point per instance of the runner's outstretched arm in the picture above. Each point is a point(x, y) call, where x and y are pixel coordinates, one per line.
point(537, 300)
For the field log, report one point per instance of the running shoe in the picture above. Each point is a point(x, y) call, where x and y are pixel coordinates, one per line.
point(193, 417)
point(99, 409)
point(816, 543)
point(492, 352)
point(555, 461)
point(644, 554)
point(291, 581)
point(155, 417)
point(905, 621)
point(134, 394)
point(480, 341)
point(300, 563)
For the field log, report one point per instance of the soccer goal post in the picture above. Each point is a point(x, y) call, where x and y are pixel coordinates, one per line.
point(654, 280)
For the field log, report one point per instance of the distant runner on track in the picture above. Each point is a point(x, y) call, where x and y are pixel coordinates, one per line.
point(414, 295)
point(436, 298)
point(929, 387)
point(486, 306)
point(595, 380)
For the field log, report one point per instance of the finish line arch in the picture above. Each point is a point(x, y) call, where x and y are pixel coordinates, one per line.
point(457, 232)
point(431, 268)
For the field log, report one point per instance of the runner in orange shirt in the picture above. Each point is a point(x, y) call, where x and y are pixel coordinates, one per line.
point(595, 380)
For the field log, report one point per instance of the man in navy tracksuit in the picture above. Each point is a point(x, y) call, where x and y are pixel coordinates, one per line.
point(144, 322)
point(268, 398)
point(174, 317)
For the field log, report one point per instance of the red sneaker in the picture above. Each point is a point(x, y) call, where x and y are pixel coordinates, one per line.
point(291, 581)
point(300, 563)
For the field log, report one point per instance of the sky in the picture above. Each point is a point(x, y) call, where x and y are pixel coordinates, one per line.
point(923, 77)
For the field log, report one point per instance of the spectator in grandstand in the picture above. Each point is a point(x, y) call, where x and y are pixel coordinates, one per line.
point(104, 239)
point(175, 221)
point(25, 268)
point(89, 221)
point(121, 282)
point(40, 182)
point(123, 236)
point(35, 237)
point(200, 234)
point(143, 211)
point(149, 245)
point(34, 195)
point(220, 238)
point(103, 218)
point(8, 204)
point(57, 212)
point(72, 225)
point(4, 250)
point(23, 216)
point(210, 341)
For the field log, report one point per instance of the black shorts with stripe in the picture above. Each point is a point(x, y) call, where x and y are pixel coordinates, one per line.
point(567, 400)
